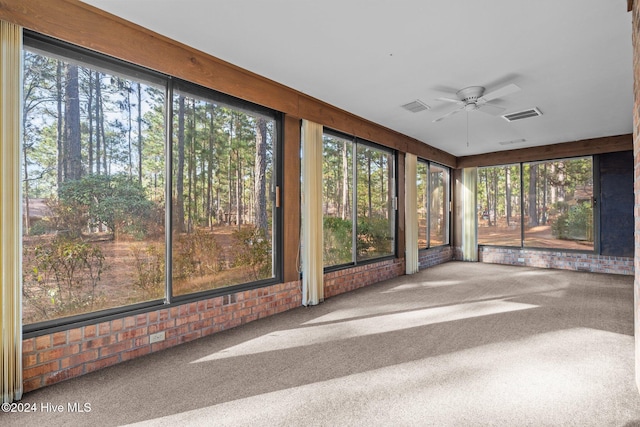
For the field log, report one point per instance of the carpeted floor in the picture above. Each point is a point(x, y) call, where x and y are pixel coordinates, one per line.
point(460, 344)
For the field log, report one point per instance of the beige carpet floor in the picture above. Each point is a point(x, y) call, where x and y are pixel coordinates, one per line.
point(460, 344)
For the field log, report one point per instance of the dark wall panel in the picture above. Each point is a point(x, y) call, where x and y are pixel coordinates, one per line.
point(616, 204)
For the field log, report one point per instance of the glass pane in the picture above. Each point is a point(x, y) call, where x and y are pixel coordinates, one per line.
point(499, 206)
point(375, 226)
point(558, 205)
point(93, 188)
point(438, 205)
point(222, 200)
point(422, 170)
point(337, 196)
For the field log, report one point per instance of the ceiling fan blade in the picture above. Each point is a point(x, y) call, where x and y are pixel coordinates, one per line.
point(499, 93)
point(492, 109)
point(456, 101)
point(450, 113)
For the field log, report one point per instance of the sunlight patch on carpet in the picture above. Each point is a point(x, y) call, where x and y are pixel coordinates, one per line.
point(312, 335)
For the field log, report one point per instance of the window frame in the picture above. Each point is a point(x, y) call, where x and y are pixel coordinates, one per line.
point(447, 203)
point(595, 176)
point(54, 48)
point(393, 187)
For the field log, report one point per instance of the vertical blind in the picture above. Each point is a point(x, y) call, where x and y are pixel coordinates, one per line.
point(312, 244)
point(10, 224)
point(411, 214)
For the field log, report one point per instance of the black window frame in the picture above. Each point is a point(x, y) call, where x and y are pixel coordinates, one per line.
point(394, 188)
point(82, 56)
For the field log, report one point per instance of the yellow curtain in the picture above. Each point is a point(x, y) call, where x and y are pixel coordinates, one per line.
point(10, 224)
point(469, 223)
point(411, 214)
point(312, 266)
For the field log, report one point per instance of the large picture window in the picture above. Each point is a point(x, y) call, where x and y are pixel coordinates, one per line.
point(359, 219)
point(553, 210)
point(222, 193)
point(433, 204)
point(99, 179)
point(499, 220)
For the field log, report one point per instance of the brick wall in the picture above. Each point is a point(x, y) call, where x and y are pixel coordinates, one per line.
point(636, 174)
point(51, 358)
point(435, 256)
point(557, 259)
point(341, 281)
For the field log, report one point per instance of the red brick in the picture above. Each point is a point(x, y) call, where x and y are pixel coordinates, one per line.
point(58, 353)
point(90, 331)
point(98, 342)
point(161, 326)
point(104, 328)
point(115, 348)
point(63, 375)
point(28, 345)
point(142, 320)
point(153, 317)
point(40, 370)
point(32, 384)
point(102, 363)
point(133, 333)
point(43, 342)
point(75, 335)
point(59, 338)
point(170, 342)
point(142, 341)
point(132, 354)
point(117, 325)
point(29, 360)
point(78, 359)
point(129, 322)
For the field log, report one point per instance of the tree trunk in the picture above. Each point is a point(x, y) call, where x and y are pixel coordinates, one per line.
point(179, 218)
point(98, 122)
point(533, 183)
point(60, 123)
point(260, 182)
point(139, 133)
point(345, 183)
point(73, 155)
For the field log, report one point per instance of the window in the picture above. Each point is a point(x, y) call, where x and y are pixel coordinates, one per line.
point(93, 187)
point(433, 204)
point(98, 173)
point(555, 208)
point(359, 219)
point(499, 206)
point(558, 204)
point(222, 193)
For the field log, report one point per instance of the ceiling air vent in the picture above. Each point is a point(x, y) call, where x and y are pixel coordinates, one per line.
point(416, 106)
point(524, 114)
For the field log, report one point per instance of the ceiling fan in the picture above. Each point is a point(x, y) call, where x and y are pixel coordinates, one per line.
point(473, 98)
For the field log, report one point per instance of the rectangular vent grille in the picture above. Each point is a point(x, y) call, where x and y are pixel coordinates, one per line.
point(416, 106)
point(525, 114)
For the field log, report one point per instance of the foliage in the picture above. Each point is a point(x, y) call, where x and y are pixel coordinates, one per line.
point(337, 234)
point(117, 201)
point(195, 254)
point(374, 237)
point(253, 249)
point(64, 277)
point(150, 270)
point(575, 223)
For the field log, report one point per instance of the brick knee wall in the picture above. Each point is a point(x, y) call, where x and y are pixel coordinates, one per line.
point(557, 259)
point(434, 256)
point(55, 357)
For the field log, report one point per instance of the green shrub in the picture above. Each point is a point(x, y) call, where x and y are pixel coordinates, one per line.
point(64, 277)
point(337, 235)
point(150, 270)
point(253, 249)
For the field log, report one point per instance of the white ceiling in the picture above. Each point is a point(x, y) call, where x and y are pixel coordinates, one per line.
point(571, 58)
